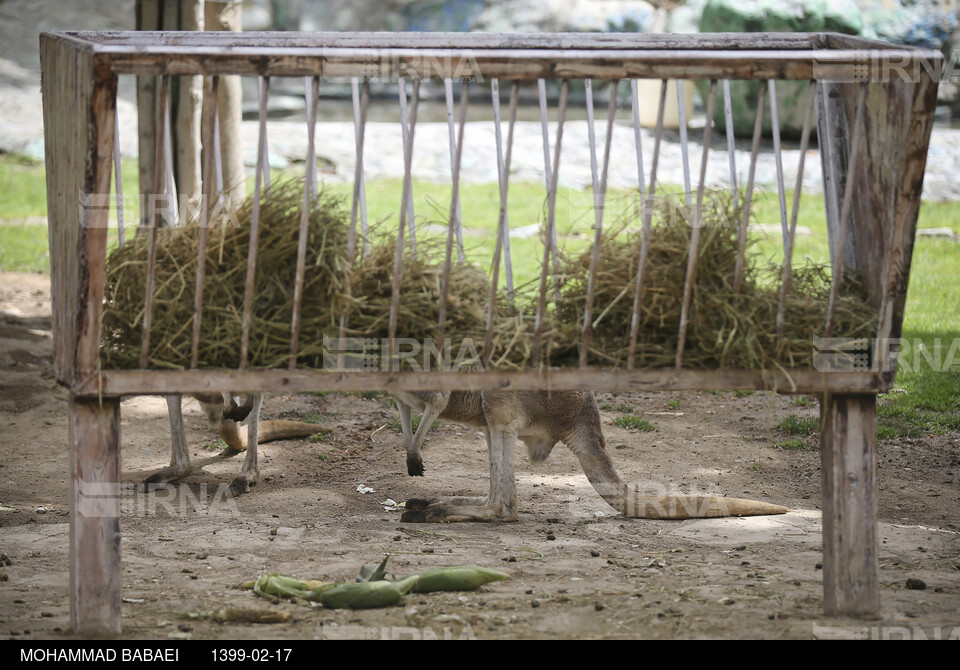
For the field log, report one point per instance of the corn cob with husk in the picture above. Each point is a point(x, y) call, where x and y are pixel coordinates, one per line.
point(272, 585)
point(368, 595)
point(457, 578)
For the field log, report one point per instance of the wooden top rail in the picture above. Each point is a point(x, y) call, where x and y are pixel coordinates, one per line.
point(817, 56)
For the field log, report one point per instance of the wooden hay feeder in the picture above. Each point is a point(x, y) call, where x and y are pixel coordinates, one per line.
point(873, 105)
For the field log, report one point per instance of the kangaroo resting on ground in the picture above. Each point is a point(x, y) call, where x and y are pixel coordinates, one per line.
point(540, 419)
point(224, 415)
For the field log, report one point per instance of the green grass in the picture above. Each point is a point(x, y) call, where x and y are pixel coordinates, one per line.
point(674, 403)
point(24, 244)
point(632, 422)
point(928, 376)
point(218, 445)
point(794, 425)
point(794, 444)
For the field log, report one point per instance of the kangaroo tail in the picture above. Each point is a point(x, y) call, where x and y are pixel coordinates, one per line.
point(588, 445)
point(269, 430)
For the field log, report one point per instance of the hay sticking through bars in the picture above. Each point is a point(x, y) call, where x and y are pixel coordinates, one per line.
point(326, 282)
point(725, 328)
point(418, 313)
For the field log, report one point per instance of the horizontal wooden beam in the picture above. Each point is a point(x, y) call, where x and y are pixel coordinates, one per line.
point(132, 40)
point(486, 56)
point(161, 382)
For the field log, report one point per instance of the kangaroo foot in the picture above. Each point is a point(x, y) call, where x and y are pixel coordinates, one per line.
point(415, 465)
point(168, 474)
point(454, 509)
point(242, 484)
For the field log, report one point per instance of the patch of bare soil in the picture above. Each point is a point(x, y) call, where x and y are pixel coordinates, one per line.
point(578, 569)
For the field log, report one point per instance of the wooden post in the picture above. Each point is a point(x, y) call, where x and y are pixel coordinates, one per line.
point(95, 516)
point(186, 129)
point(227, 15)
point(148, 18)
point(79, 98)
point(848, 455)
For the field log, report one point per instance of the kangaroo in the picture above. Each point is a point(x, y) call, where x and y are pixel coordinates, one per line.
point(540, 419)
point(224, 415)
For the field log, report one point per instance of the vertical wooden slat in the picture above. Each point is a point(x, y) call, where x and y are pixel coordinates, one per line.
point(551, 225)
point(118, 178)
point(454, 207)
point(263, 92)
point(920, 100)
point(791, 233)
point(503, 227)
point(848, 455)
point(852, 167)
point(247, 315)
point(508, 257)
point(406, 202)
point(313, 89)
point(209, 178)
point(646, 212)
point(359, 203)
point(361, 102)
point(454, 148)
point(740, 267)
point(408, 122)
point(684, 152)
point(159, 177)
point(829, 122)
point(695, 230)
point(778, 159)
point(503, 177)
point(599, 196)
point(731, 142)
point(547, 171)
point(170, 185)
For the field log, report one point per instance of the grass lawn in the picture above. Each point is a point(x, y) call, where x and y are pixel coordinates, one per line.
point(927, 399)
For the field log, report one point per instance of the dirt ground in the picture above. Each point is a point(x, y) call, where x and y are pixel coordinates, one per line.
point(578, 570)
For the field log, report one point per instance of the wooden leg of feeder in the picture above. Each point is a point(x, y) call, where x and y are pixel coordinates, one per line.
point(95, 516)
point(848, 453)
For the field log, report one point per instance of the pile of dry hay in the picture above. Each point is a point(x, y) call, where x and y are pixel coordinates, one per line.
point(726, 328)
point(332, 286)
point(325, 287)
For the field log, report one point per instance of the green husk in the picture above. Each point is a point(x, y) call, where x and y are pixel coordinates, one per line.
point(273, 585)
point(457, 578)
point(368, 595)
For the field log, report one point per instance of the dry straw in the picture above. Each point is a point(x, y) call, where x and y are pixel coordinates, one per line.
point(726, 328)
point(326, 282)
